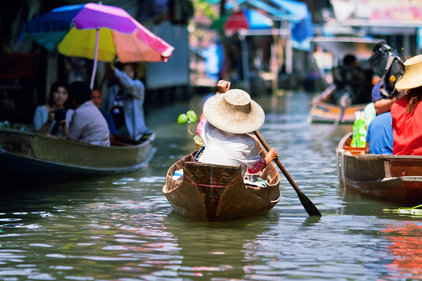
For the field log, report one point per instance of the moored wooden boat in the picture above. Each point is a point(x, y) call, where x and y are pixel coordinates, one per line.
point(40, 158)
point(396, 178)
point(215, 192)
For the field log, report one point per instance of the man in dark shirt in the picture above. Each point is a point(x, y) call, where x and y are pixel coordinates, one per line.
point(96, 98)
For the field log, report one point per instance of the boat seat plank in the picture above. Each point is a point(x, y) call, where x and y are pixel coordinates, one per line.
point(355, 150)
point(206, 174)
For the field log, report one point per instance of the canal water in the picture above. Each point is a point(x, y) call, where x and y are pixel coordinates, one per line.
point(123, 228)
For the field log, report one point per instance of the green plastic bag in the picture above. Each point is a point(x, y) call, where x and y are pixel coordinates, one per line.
point(359, 131)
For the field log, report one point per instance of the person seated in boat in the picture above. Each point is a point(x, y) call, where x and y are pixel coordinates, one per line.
point(124, 100)
point(379, 137)
point(387, 65)
point(96, 99)
point(406, 111)
point(88, 125)
point(52, 117)
point(227, 120)
point(350, 81)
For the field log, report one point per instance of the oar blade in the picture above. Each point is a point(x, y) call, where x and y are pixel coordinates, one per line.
point(310, 208)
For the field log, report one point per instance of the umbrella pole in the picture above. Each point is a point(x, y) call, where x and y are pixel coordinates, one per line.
point(94, 68)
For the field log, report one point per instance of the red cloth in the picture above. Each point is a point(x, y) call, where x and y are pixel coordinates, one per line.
point(407, 128)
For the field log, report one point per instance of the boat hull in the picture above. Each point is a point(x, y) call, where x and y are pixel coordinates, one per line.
point(34, 157)
point(396, 178)
point(217, 193)
point(330, 113)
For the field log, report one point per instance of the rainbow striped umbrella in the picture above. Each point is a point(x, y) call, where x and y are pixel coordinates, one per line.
point(98, 32)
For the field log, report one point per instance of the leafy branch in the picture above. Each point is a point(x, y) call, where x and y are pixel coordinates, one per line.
point(189, 118)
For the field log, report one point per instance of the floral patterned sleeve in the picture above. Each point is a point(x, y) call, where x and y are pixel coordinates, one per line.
point(200, 126)
point(258, 166)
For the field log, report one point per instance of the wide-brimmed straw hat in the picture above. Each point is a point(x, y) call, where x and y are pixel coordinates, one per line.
point(412, 77)
point(234, 112)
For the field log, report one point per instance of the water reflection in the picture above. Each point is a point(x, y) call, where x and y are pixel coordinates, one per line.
point(122, 228)
point(405, 251)
point(216, 249)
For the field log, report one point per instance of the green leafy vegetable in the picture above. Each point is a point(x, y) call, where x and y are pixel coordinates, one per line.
point(192, 118)
point(182, 119)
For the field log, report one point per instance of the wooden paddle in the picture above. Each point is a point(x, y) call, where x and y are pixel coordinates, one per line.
point(306, 202)
point(344, 103)
point(342, 111)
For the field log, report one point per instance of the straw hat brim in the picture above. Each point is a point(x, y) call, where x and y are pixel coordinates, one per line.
point(224, 117)
point(412, 74)
point(407, 82)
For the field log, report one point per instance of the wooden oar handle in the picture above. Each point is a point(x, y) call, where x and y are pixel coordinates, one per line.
point(277, 161)
point(310, 208)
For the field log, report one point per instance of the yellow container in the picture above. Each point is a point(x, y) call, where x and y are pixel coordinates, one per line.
point(198, 142)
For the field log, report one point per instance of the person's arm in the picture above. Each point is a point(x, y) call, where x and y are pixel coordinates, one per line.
point(383, 105)
point(135, 87)
point(38, 123)
point(263, 160)
point(66, 131)
point(222, 87)
point(45, 127)
point(368, 138)
point(270, 156)
point(367, 148)
point(76, 127)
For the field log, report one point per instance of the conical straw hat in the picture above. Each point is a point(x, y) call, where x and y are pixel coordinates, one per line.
point(234, 112)
point(412, 77)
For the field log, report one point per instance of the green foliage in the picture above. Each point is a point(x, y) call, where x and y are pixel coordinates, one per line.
point(182, 119)
point(192, 118)
point(189, 118)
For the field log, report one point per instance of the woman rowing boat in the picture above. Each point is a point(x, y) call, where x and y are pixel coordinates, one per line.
point(214, 188)
point(227, 120)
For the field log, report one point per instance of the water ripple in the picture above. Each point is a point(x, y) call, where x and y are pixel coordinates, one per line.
point(123, 228)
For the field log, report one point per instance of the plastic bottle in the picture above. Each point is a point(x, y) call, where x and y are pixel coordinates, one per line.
point(359, 131)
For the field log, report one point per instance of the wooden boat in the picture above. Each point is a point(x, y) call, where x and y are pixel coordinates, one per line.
point(331, 113)
point(325, 112)
point(322, 109)
point(40, 158)
point(396, 178)
point(216, 193)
